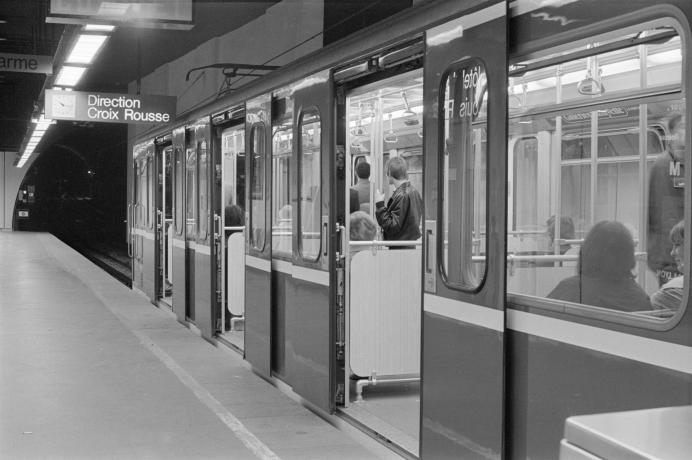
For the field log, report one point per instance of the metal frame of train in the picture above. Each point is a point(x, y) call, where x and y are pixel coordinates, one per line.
point(508, 113)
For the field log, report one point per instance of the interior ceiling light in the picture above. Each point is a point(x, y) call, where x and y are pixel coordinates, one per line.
point(86, 48)
point(69, 75)
point(37, 133)
point(98, 28)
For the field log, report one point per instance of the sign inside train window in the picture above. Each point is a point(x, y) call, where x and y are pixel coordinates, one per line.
point(109, 108)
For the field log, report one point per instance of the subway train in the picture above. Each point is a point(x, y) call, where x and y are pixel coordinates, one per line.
point(547, 140)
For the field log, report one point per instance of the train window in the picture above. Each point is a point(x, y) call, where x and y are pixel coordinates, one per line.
point(191, 192)
point(203, 172)
point(464, 175)
point(179, 172)
point(257, 187)
point(282, 212)
point(233, 151)
point(597, 190)
point(309, 184)
point(151, 209)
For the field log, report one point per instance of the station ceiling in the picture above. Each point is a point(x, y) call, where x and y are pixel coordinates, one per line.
point(130, 52)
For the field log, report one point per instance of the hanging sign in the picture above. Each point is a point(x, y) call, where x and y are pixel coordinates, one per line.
point(26, 63)
point(109, 108)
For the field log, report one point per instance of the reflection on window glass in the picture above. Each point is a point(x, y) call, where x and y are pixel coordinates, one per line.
point(282, 213)
point(203, 190)
point(309, 186)
point(191, 192)
point(580, 229)
point(257, 187)
point(464, 176)
point(179, 187)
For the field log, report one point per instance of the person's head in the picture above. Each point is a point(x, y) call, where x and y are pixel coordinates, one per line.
point(362, 227)
point(396, 169)
point(363, 170)
point(566, 228)
point(607, 251)
point(234, 216)
point(676, 131)
point(677, 237)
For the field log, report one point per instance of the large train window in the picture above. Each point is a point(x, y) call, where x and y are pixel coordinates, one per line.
point(282, 212)
point(596, 188)
point(257, 187)
point(203, 215)
point(151, 209)
point(464, 171)
point(309, 184)
point(179, 172)
point(191, 192)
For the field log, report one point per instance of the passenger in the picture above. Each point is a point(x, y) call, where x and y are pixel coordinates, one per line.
point(669, 297)
point(566, 233)
point(666, 201)
point(363, 185)
point(400, 218)
point(353, 204)
point(604, 271)
point(362, 227)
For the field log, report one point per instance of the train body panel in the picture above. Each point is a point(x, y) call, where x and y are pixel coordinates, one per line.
point(525, 126)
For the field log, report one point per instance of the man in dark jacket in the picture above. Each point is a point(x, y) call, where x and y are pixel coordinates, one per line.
point(400, 218)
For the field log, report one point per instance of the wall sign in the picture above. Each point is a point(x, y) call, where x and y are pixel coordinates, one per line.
point(108, 107)
point(26, 63)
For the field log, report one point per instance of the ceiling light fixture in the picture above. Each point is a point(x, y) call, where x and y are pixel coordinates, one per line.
point(40, 128)
point(86, 48)
point(69, 75)
point(98, 28)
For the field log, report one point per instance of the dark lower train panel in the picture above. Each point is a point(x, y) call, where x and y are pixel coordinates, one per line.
point(148, 281)
point(281, 283)
point(549, 381)
point(462, 390)
point(258, 319)
point(203, 298)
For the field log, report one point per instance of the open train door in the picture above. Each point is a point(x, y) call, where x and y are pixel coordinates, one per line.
point(258, 135)
point(310, 345)
point(465, 89)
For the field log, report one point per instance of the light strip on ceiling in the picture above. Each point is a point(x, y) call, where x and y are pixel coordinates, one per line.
point(40, 128)
point(86, 48)
point(69, 75)
point(98, 28)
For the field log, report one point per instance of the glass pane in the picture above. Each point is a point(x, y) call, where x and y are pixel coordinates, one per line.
point(282, 212)
point(203, 190)
point(464, 176)
point(309, 187)
point(191, 193)
point(168, 178)
point(233, 153)
point(257, 199)
point(179, 190)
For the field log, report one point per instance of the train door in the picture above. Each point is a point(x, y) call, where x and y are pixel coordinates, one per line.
point(464, 258)
point(164, 219)
point(310, 357)
point(383, 278)
point(230, 192)
point(140, 215)
point(178, 241)
point(204, 283)
point(258, 294)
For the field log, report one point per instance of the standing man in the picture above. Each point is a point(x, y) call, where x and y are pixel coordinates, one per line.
point(363, 186)
point(400, 218)
point(666, 201)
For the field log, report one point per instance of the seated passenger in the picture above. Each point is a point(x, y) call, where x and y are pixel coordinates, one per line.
point(669, 296)
point(566, 233)
point(604, 271)
point(362, 227)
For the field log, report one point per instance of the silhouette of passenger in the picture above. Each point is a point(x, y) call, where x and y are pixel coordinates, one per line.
point(362, 186)
point(604, 271)
point(362, 227)
point(669, 297)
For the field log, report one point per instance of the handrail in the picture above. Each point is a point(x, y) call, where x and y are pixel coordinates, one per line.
point(386, 243)
point(234, 228)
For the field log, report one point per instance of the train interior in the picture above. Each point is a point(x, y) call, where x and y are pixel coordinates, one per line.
point(584, 134)
point(384, 120)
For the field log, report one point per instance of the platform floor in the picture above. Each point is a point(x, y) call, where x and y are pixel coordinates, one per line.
point(91, 370)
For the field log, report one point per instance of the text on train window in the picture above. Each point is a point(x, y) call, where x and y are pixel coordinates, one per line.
point(587, 138)
point(464, 170)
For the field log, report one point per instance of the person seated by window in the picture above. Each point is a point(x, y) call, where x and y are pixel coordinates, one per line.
point(669, 296)
point(566, 233)
point(604, 271)
point(362, 227)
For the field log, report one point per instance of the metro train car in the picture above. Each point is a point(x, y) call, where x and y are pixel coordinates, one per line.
point(547, 140)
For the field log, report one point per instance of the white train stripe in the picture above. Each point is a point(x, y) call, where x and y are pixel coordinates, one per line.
point(179, 243)
point(642, 349)
point(454, 29)
point(311, 275)
point(256, 262)
point(519, 7)
point(465, 312)
point(282, 266)
point(202, 248)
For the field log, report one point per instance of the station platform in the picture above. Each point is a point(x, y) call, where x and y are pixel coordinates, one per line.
point(92, 370)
